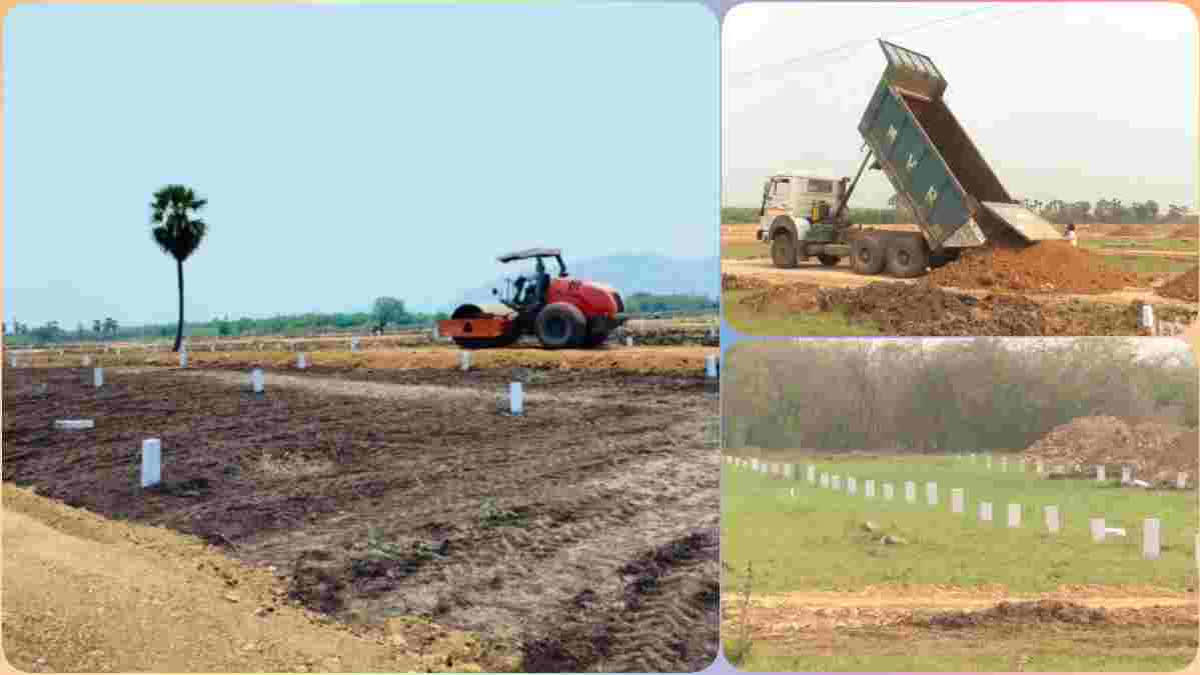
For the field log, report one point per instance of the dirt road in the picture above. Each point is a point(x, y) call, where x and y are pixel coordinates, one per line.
point(842, 277)
point(580, 536)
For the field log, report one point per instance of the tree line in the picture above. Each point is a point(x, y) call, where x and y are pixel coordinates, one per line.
point(980, 394)
point(1105, 211)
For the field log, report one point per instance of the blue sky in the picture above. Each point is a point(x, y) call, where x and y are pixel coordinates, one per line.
point(347, 152)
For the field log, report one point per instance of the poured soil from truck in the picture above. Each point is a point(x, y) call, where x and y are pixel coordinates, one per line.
point(1048, 266)
point(1183, 287)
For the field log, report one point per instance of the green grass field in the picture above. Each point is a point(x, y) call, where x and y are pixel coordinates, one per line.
point(808, 324)
point(814, 541)
point(745, 250)
point(1147, 265)
point(1142, 244)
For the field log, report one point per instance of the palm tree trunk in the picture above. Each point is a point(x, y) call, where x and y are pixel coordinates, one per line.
point(179, 330)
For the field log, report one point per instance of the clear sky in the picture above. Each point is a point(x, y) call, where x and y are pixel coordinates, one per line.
point(1069, 100)
point(347, 152)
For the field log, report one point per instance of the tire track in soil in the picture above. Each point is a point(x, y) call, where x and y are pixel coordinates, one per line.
point(593, 495)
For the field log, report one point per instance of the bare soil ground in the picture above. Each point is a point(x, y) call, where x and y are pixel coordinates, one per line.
point(580, 536)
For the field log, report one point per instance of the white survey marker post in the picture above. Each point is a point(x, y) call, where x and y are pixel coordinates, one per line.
point(516, 399)
point(889, 491)
point(869, 489)
point(985, 511)
point(256, 380)
point(852, 485)
point(812, 473)
point(183, 358)
point(1151, 546)
point(1052, 523)
point(302, 361)
point(628, 341)
point(910, 492)
point(931, 495)
point(1014, 515)
point(1181, 480)
point(1100, 475)
point(1098, 530)
point(464, 360)
point(957, 497)
point(824, 480)
point(836, 482)
point(710, 366)
point(151, 462)
point(98, 377)
point(1126, 475)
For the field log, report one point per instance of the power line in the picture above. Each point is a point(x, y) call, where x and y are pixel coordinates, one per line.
point(863, 42)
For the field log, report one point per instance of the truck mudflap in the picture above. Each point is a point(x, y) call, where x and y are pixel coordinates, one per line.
point(1024, 222)
point(476, 327)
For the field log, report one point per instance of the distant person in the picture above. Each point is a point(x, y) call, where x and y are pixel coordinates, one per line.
point(1071, 237)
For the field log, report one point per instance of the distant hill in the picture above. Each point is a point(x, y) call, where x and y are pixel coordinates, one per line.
point(631, 274)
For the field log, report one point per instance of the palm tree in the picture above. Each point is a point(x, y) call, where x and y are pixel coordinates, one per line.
point(176, 233)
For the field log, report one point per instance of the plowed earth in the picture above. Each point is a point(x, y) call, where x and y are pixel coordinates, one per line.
point(579, 536)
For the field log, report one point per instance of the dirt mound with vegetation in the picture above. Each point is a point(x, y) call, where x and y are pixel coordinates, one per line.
point(1156, 452)
point(1046, 267)
point(734, 282)
point(787, 298)
point(1183, 287)
point(924, 309)
point(1037, 611)
point(1186, 232)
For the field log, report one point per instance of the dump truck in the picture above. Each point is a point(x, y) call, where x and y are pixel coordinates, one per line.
point(939, 175)
point(562, 311)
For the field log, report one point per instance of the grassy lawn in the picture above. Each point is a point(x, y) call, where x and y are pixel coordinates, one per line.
point(814, 541)
point(1142, 244)
point(743, 250)
point(782, 323)
point(1145, 265)
point(1033, 648)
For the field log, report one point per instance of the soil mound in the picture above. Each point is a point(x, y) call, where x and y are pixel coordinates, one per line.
point(1127, 231)
point(733, 282)
point(1183, 287)
point(1049, 266)
point(791, 298)
point(924, 309)
point(1037, 612)
point(1186, 232)
point(1156, 452)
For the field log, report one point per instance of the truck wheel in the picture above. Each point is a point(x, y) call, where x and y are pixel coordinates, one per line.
point(868, 255)
point(829, 260)
point(783, 250)
point(560, 325)
point(907, 257)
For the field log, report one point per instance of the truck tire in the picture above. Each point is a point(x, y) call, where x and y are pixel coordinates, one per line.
point(783, 250)
point(560, 325)
point(907, 257)
point(868, 255)
point(829, 260)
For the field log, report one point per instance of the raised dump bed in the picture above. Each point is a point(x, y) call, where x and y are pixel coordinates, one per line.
point(935, 167)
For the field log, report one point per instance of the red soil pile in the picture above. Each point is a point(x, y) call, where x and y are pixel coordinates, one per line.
point(1048, 266)
point(1183, 287)
point(733, 282)
point(790, 298)
point(926, 310)
point(1156, 452)
point(1186, 232)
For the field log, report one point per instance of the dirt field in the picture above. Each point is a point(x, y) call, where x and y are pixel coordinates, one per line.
point(580, 536)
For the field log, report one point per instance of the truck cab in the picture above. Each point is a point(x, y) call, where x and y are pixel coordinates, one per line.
point(808, 197)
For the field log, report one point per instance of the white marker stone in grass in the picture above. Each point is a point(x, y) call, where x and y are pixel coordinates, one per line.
point(1100, 473)
point(812, 473)
point(516, 399)
point(931, 495)
point(869, 489)
point(183, 358)
point(1052, 523)
point(1098, 530)
point(257, 380)
point(12, 360)
point(957, 497)
point(1126, 475)
point(98, 377)
point(824, 480)
point(302, 361)
point(1041, 467)
point(353, 344)
point(629, 342)
point(910, 492)
point(74, 425)
point(151, 462)
point(464, 361)
point(1181, 480)
point(1150, 539)
point(985, 511)
point(836, 482)
point(852, 485)
point(889, 492)
point(754, 464)
point(87, 361)
point(710, 366)
point(789, 471)
point(1014, 515)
